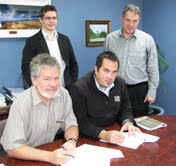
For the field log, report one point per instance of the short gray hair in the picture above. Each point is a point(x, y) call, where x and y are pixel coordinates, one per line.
point(41, 61)
point(132, 8)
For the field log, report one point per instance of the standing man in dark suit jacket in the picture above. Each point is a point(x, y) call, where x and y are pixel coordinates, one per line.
point(48, 40)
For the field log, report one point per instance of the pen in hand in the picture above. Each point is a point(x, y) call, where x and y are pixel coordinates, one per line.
point(63, 147)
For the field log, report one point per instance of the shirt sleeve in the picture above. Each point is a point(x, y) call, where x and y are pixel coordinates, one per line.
point(152, 68)
point(27, 55)
point(14, 134)
point(69, 116)
point(80, 109)
point(125, 108)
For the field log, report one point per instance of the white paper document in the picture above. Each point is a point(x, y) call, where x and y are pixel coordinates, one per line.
point(87, 155)
point(148, 137)
point(136, 139)
point(131, 141)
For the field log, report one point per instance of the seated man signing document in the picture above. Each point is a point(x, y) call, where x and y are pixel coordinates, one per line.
point(38, 113)
point(100, 98)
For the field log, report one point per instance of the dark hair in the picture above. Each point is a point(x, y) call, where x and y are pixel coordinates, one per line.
point(132, 8)
point(45, 9)
point(106, 55)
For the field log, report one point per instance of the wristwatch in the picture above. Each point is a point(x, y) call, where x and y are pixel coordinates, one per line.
point(72, 139)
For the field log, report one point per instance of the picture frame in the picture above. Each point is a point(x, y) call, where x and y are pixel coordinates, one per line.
point(19, 19)
point(96, 32)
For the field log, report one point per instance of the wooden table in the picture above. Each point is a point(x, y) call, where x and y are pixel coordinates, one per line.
point(4, 112)
point(160, 153)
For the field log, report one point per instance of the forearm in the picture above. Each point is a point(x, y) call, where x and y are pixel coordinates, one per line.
point(28, 153)
point(71, 132)
point(103, 135)
point(153, 70)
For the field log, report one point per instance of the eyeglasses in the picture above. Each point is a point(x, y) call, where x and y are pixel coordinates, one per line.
point(50, 18)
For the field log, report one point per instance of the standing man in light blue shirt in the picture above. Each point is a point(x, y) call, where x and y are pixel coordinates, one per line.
point(137, 53)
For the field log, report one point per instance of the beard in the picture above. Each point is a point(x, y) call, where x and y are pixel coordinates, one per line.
point(45, 94)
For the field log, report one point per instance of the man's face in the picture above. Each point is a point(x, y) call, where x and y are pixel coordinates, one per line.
point(130, 22)
point(107, 73)
point(49, 21)
point(48, 82)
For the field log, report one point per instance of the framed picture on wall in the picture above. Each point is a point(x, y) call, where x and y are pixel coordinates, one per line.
point(96, 32)
point(19, 18)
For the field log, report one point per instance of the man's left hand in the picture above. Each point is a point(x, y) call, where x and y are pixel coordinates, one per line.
point(149, 99)
point(128, 126)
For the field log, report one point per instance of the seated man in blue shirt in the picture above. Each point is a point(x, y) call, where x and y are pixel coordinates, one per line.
point(38, 113)
point(100, 98)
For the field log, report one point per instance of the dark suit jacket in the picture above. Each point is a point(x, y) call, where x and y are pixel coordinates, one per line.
point(36, 44)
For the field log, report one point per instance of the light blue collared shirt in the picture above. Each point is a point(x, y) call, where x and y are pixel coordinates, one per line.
point(138, 58)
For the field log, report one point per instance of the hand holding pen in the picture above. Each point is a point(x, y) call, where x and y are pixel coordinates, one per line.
point(63, 147)
point(61, 155)
point(69, 148)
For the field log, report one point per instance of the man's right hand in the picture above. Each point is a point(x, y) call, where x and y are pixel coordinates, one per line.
point(112, 136)
point(60, 156)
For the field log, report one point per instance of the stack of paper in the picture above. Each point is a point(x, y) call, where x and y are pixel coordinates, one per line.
point(87, 155)
point(2, 100)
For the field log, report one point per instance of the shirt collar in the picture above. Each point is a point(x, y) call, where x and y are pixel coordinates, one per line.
point(46, 35)
point(36, 98)
point(135, 34)
point(104, 90)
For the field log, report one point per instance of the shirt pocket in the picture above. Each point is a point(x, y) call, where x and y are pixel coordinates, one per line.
point(60, 122)
point(138, 58)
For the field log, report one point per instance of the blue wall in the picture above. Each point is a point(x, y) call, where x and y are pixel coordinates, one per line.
point(72, 16)
point(159, 20)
